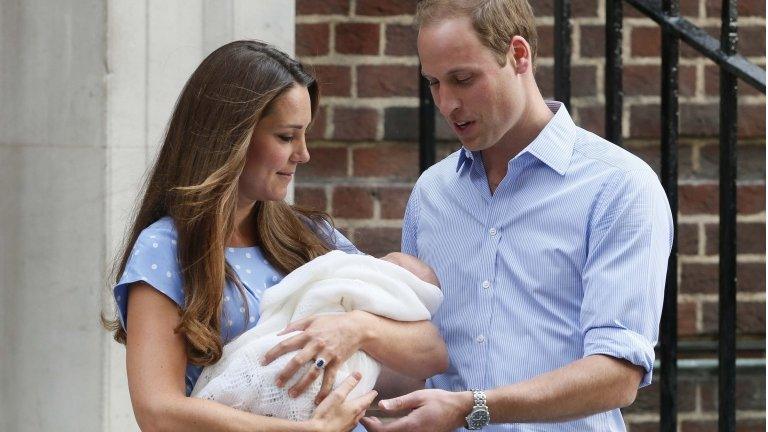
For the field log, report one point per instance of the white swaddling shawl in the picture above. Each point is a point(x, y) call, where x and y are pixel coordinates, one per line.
point(333, 283)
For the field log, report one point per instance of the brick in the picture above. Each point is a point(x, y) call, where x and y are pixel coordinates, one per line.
point(399, 161)
point(401, 124)
point(334, 80)
point(650, 155)
point(645, 80)
point(699, 279)
point(750, 238)
point(698, 199)
point(699, 120)
point(386, 81)
point(688, 239)
point(592, 44)
point(542, 8)
point(382, 8)
point(746, 8)
point(750, 318)
point(325, 162)
point(584, 8)
point(750, 199)
point(592, 118)
point(645, 41)
point(354, 124)
point(644, 426)
point(352, 202)
point(545, 78)
point(686, 319)
point(316, 130)
point(401, 40)
point(712, 83)
point(751, 122)
point(647, 400)
point(750, 394)
point(698, 426)
point(750, 162)
point(322, 7)
point(546, 41)
point(378, 241)
point(357, 38)
point(583, 80)
point(644, 121)
point(752, 40)
point(312, 39)
point(750, 425)
point(751, 276)
point(393, 201)
point(310, 197)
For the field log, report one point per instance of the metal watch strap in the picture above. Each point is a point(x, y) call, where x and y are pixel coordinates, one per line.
point(480, 399)
point(479, 417)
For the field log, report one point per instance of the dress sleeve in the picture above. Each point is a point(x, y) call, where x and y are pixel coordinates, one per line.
point(153, 260)
point(624, 275)
point(343, 244)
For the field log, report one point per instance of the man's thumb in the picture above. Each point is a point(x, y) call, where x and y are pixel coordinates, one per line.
point(399, 403)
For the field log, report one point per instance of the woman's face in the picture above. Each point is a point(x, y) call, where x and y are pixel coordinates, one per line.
point(278, 145)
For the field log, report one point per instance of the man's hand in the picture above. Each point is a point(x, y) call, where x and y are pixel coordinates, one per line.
point(431, 410)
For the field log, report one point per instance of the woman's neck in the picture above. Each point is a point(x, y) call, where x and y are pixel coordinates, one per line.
point(244, 234)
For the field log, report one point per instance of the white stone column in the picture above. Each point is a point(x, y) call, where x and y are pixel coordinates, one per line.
point(86, 89)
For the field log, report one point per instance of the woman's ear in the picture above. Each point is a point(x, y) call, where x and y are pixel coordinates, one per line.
point(519, 55)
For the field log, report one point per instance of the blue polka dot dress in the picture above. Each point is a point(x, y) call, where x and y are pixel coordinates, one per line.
point(154, 260)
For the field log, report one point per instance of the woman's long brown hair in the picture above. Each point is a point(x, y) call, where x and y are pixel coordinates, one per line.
point(195, 181)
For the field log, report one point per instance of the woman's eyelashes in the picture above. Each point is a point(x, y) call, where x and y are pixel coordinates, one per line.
point(286, 138)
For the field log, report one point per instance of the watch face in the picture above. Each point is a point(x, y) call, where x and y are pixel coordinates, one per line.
point(479, 418)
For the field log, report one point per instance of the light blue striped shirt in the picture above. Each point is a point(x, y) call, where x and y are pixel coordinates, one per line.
point(566, 259)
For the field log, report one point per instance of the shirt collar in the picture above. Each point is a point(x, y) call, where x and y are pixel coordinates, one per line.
point(553, 145)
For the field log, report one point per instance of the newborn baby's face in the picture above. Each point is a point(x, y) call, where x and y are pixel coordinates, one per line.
point(413, 265)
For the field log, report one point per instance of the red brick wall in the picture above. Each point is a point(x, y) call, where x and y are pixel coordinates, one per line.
point(365, 152)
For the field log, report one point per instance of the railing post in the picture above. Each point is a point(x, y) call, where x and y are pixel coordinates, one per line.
point(613, 65)
point(669, 133)
point(563, 52)
point(727, 299)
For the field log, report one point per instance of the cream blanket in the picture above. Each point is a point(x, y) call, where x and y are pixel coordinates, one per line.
point(333, 283)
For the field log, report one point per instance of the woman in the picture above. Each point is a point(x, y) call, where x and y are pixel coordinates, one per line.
point(213, 232)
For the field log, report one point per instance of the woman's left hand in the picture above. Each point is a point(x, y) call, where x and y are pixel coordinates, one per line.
point(333, 338)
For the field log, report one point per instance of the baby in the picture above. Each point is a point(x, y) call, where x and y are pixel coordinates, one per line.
point(398, 286)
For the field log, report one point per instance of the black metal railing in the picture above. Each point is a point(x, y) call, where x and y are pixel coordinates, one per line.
point(733, 66)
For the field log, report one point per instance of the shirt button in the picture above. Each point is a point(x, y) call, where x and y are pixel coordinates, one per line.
point(492, 232)
point(480, 339)
point(486, 284)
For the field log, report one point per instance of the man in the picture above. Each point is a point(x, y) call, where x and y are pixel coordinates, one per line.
point(550, 243)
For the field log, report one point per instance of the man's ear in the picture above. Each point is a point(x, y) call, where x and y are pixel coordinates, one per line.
point(519, 55)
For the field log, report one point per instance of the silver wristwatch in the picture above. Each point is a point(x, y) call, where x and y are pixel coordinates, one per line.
point(479, 417)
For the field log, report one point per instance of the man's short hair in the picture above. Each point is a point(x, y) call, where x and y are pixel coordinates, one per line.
point(496, 22)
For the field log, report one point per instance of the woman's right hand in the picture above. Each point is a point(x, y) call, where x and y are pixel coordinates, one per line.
point(335, 413)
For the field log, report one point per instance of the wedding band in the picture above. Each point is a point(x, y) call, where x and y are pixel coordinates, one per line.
point(320, 363)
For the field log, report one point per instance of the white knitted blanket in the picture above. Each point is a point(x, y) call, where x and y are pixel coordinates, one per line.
point(333, 283)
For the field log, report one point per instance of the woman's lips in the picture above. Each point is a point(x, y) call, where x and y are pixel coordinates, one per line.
point(287, 175)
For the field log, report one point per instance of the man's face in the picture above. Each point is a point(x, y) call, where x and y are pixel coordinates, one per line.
point(480, 100)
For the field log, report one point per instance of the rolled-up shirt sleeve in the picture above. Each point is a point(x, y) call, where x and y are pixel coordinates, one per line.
point(410, 225)
point(630, 238)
